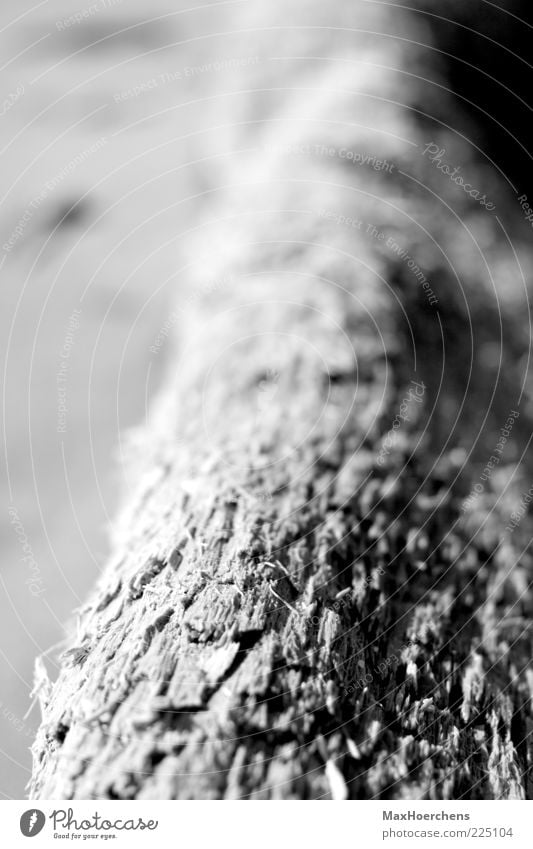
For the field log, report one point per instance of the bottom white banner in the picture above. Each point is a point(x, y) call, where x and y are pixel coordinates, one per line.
point(204, 824)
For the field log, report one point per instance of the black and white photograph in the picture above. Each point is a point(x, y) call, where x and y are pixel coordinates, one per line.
point(267, 419)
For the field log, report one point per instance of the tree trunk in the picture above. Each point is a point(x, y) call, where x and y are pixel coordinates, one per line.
point(303, 600)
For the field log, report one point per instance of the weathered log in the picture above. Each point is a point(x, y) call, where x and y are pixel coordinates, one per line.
point(299, 605)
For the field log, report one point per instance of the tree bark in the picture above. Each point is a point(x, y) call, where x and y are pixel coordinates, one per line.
point(299, 605)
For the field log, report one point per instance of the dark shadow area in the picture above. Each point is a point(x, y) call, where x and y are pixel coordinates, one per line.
point(489, 63)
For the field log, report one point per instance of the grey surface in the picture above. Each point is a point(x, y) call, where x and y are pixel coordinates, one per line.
point(63, 486)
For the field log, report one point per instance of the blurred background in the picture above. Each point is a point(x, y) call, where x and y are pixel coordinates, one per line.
point(103, 110)
point(116, 121)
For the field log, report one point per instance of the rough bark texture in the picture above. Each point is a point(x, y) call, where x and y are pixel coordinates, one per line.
point(294, 608)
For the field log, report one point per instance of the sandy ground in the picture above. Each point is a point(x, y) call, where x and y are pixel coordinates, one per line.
point(98, 191)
